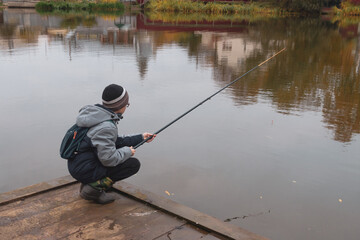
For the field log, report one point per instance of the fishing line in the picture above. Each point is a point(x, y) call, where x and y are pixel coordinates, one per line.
point(208, 98)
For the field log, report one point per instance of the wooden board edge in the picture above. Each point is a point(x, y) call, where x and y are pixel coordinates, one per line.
point(35, 189)
point(192, 216)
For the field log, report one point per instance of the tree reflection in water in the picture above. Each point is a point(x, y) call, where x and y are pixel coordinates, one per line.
point(318, 72)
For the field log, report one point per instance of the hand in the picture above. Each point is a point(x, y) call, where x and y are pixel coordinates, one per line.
point(146, 135)
point(132, 151)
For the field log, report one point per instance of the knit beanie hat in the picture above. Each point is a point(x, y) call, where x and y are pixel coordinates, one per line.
point(115, 97)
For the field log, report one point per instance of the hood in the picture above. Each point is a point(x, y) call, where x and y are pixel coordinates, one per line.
point(92, 115)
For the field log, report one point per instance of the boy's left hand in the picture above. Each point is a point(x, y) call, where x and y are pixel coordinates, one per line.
point(146, 135)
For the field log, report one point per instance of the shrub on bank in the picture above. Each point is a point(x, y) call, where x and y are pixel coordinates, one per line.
point(301, 5)
point(348, 9)
point(170, 17)
point(189, 6)
point(79, 6)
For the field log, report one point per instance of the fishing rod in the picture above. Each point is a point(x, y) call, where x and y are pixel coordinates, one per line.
point(231, 83)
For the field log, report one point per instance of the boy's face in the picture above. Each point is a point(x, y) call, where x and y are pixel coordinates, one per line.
point(121, 110)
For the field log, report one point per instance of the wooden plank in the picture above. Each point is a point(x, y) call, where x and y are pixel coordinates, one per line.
point(25, 209)
point(210, 237)
point(81, 219)
point(184, 232)
point(18, 194)
point(93, 219)
point(152, 227)
point(20, 3)
point(10, 230)
point(61, 221)
point(195, 217)
point(44, 201)
point(140, 223)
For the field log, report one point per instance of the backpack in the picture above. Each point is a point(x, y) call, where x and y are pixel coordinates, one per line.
point(71, 141)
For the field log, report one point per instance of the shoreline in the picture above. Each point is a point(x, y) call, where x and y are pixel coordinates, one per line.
point(183, 7)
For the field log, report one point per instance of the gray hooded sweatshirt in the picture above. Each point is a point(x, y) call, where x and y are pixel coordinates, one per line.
point(103, 133)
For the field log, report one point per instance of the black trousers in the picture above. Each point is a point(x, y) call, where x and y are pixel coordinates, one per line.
point(128, 168)
point(86, 168)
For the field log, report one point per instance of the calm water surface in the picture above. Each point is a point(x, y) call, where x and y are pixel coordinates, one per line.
point(278, 151)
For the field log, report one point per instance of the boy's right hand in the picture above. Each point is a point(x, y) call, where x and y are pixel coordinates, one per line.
point(132, 151)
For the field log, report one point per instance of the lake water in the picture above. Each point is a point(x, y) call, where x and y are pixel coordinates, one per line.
point(279, 151)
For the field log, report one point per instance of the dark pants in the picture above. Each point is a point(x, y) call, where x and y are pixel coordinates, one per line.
point(124, 170)
point(86, 168)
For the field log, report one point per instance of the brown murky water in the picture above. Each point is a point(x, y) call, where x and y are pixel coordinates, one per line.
point(278, 152)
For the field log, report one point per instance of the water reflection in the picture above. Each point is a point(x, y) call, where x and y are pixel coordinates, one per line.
point(324, 77)
point(319, 72)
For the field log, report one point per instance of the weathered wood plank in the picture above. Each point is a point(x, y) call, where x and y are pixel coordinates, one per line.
point(20, 3)
point(82, 219)
point(61, 221)
point(152, 226)
point(140, 223)
point(210, 237)
point(86, 222)
point(41, 202)
point(35, 223)
point(184, 232)
point(39, 188)
point(195, 217)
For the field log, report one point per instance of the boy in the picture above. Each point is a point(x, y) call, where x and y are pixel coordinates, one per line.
point(104, 157)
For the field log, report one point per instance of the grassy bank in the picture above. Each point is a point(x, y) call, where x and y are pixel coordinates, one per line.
point(169, 17)
point(348, 9)
point(189, 6)
point(344, 21)
point(60, 6)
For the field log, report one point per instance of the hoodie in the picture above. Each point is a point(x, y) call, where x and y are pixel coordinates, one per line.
point(111, 149)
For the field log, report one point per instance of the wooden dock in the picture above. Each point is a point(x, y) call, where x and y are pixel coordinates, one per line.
point(20, 3)
point(54, 210)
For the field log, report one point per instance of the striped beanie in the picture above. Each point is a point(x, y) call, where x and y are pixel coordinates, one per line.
point(115, 97)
